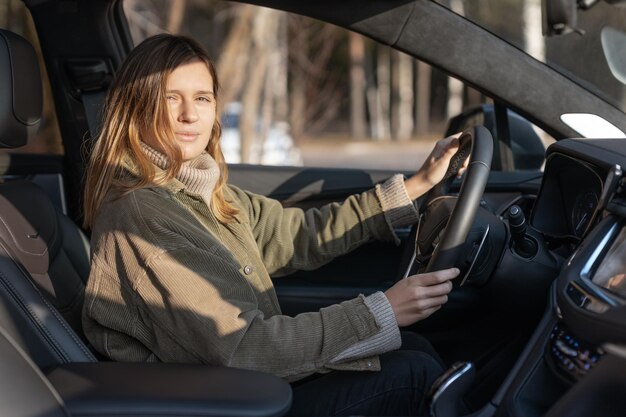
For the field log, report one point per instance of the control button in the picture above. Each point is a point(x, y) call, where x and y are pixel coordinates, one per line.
point(571, 355)
point(247, 269)
point(565, 349)
point(578, 297)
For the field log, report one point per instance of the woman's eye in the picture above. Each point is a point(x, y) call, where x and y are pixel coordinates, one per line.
point(170, 98)
point(206, 99)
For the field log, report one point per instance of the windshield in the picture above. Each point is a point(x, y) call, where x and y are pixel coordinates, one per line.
point(577, 55)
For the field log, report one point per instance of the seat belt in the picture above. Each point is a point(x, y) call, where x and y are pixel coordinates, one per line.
point(93, 102)
point(90, 79)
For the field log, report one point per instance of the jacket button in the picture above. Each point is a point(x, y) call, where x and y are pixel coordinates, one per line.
point(369, 364)
point(247, 269)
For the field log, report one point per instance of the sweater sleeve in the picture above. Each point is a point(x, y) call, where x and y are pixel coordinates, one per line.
point(293, 239)
point(387, 339)
point(399, 210)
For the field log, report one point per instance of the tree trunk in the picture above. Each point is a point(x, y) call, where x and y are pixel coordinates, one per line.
point(253, 91)
point(297, 100)
point(422, 108)
point(383, 78)
point(371, 93)
point(235, 55)
point(533, 38)
point(357, 86)
point(175, 16)
point(298, 50)
point(269, 44)
point(404, 71)
point(280, 88)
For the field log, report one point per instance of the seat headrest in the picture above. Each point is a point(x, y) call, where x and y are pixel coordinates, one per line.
point(21, 97)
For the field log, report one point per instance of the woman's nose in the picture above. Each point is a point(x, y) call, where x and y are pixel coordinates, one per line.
point(188, 112)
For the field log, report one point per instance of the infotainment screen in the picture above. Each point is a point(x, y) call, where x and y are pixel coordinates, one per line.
point(611, 274)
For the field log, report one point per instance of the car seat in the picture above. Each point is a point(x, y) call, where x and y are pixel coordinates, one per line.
point(44, 266)
point(44, 260)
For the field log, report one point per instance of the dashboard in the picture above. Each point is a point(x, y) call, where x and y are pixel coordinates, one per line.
point(571, 205)
point(581, 198)
point(575, 363)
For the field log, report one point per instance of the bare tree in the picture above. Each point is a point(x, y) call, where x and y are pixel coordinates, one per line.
point(175, 15)
point(422, 108)
point(379, 95)
point(315, 88)
point(264, 29)
point(233, 61)
point(357, 85)
point(280, 67)
point(533, 38)
point(404, 86)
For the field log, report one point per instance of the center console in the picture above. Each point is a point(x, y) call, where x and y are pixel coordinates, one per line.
point(580, 338)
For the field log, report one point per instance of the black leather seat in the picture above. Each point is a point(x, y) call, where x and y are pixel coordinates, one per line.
point(44, 260)
point(44, 266)
point(25, 391)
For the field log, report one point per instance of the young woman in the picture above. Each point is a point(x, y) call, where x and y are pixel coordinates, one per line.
point(181, 261)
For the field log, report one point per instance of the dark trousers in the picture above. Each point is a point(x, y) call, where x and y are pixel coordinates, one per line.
point(397, 390)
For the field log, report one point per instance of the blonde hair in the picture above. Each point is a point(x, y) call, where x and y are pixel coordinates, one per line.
point(136, 106)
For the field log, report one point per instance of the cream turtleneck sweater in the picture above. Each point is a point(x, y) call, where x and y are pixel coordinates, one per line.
point(200, 175)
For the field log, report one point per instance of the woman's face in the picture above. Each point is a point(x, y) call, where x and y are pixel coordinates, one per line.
point(191, 104)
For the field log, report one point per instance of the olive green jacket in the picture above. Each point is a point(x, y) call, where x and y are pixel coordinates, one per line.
point(163, 289)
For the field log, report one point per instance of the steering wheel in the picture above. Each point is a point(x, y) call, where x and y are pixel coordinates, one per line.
point(477, 143)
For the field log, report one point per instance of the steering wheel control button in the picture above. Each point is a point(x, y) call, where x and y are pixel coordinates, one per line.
point(247, 270)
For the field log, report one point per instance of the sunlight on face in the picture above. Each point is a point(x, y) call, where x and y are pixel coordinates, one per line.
point(192, 107)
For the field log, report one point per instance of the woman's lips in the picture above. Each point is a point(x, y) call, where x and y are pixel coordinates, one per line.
point(187, 136)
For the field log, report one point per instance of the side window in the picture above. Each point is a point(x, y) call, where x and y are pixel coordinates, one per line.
point(518, 144)
point(296, 91)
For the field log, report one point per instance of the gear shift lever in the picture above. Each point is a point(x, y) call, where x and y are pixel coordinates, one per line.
point(445, 396)
point(523, 245)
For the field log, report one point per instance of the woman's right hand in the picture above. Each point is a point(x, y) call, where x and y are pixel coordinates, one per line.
point(418, 296)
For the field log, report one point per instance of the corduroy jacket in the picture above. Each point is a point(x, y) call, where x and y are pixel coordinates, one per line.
point(170, 283)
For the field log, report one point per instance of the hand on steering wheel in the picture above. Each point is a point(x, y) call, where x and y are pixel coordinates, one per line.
point(476, 143)
point(434, 167)
point(416, 297)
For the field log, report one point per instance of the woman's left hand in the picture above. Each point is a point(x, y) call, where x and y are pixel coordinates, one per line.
point(435, 167)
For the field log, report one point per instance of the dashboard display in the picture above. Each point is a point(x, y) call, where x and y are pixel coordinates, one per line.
point(611, 274)
point(569, 195)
